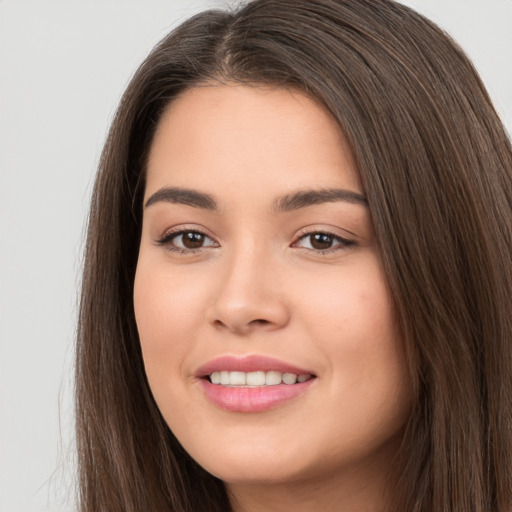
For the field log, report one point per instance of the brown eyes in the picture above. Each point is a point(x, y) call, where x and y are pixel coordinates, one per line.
point(319, 241)
point(190, 241)
point(186, 241)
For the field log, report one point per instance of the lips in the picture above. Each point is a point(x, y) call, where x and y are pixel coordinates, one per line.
point(252, 383)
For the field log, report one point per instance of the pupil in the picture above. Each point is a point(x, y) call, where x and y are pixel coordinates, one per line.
point(321, 241)
point(193, 240)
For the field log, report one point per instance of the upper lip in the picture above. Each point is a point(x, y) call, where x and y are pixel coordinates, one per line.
point(251, 363)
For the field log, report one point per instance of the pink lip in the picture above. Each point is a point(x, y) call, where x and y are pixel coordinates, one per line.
point(251, 399)
point(242, 399)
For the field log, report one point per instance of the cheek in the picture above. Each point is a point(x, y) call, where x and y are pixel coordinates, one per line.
point(166, 305)
point(167, 317)
point(352, 321)
point(351, 308)
point(167, 313)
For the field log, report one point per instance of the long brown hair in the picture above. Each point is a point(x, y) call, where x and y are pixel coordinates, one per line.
point(436, 165)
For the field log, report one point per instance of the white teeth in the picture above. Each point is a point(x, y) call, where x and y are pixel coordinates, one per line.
point(237, 378)
point(272, 378)
point(289, 378)
point(256, 379)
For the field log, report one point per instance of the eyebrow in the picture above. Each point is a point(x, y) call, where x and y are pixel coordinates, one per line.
point(182, 196)
point(302, 199)
point(289, 202)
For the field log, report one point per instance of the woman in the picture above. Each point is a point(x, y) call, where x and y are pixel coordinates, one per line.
point(297, 287)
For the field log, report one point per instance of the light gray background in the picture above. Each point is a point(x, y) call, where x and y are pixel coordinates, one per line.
point(63, 67)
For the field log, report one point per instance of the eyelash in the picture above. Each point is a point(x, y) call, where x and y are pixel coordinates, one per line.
point(167, 241)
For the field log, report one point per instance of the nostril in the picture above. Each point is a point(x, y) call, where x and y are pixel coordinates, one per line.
point(218, 324)
point(243, 327)
point(259, 322)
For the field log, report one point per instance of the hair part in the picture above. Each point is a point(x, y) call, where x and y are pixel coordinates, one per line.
point(436, 166)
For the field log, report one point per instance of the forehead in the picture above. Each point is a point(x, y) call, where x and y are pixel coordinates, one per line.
point(237, 138)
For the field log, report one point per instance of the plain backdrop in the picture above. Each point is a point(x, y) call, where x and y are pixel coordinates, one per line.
point(63, 67)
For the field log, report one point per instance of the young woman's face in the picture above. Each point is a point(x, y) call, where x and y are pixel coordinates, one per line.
point(258, 267)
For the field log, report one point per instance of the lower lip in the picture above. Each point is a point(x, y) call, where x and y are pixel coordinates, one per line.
point(257, 399)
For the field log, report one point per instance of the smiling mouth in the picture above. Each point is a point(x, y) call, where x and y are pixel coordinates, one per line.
point(257, 378)
point(253, 384)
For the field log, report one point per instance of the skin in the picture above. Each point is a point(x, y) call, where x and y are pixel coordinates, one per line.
point(259, 285)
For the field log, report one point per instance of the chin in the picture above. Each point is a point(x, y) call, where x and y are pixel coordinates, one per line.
point(255, 460)
point(266, 472)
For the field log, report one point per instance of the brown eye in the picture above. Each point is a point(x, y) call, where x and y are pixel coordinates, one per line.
point(184, 241)
point(192, 240)
point(322, 242)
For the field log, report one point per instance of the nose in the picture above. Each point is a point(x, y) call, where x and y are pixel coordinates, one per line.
point(249, 295)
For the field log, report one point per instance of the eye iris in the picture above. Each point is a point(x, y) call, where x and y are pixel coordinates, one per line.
point(321, 241)
point(193, 240)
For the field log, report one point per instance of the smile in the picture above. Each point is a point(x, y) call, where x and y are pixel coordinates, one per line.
point(257, 378)
point(253, 383)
